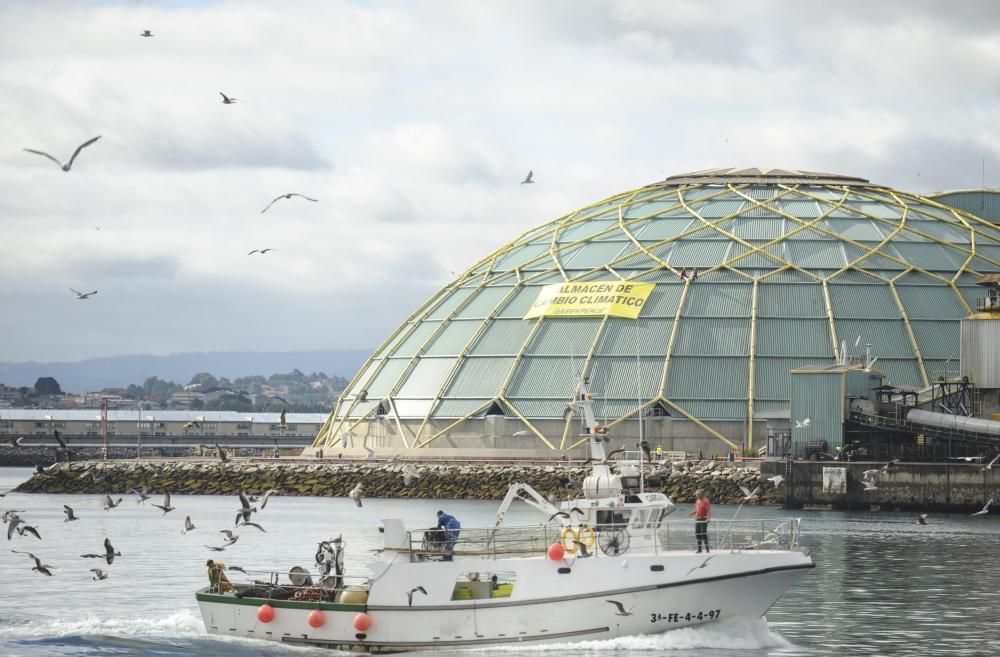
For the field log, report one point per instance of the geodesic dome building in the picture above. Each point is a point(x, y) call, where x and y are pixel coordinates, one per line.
point(754, 272)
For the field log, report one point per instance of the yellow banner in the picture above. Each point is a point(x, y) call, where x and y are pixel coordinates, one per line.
point(591, 299)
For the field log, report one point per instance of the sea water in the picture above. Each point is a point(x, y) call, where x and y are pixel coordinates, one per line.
point(883, 585)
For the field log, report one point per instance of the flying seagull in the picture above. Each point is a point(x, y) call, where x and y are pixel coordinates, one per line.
point(166, 504)
point(221, 453)
point(252, 524)
point(59, 439)
point(23, 529)
point(989, 466)
point(528, 178)
point(238, 569)
point(701, 565)
point(216, 549)
point(622, 611)
point(231, 536)
point(522, 432)
point(109, 553)
point(869, 484)
point(985, 509)
point(143, 494)
point(369, 452)
point(68, 165)
point(82, 296)
point(226, 100)
point(288, 196)
point(16, 442)
point(98, 574)
point(188, 525)
point(355, 494)
point(147, 33)
point(260, 251)
point(245, 510)
point(776, 480)
point(110, 503)
point(802, 424)
point(69, 513)
point(748, 494)
point(409, 594)
point(267, 496)
point(14, 522)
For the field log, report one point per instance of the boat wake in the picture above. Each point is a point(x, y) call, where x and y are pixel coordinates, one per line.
point(737, 634)
point(182, 633)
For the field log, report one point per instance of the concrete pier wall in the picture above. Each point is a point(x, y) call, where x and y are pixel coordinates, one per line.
point(907, 486)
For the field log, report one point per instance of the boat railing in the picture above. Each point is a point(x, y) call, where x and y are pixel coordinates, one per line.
point(295, 584)
point(603, 540)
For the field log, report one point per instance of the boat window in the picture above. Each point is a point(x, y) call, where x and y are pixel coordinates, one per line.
point(639, 518)
point(480, 585)
point(611, 518)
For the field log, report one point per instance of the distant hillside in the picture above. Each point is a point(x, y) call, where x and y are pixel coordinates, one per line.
point(120, 371)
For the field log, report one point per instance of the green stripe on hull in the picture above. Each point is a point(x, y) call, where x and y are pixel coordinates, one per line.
point(202, 596)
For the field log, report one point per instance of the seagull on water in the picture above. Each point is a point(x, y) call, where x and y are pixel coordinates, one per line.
point(227, 100)
point(68, 165)
point(355, 494)
point(288, 196)
point(985, 509)
point(98, 574)
point(622, 611)
point(409, 594)
point(528, 178)
point(82, 296)
point(922, 519)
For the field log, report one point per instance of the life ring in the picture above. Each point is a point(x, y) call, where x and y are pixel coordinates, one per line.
point(584, 534)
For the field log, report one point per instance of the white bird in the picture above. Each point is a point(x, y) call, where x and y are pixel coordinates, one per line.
point(188, 525)
point(749, 495)
point(147, 33)
point(227, 100)
point(985, 509)
point(989, 466)
point(869, 484)
point(288, 196)
point(522, 432)
point(622, 611)
point(68, 165)
point(369, 452)
point(267, 496)
point(98, 574)
point(871, 474)
point(776, 480)
point(528, 178)
point(82, 295)
point(701, 565)
point(109, 503)
point(409, 594)
point(922, 519)
point(69, 513)
point(231, 536)
point(355, 494)
point(802, 424)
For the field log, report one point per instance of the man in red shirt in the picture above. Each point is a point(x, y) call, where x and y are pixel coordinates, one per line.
point(702, 512)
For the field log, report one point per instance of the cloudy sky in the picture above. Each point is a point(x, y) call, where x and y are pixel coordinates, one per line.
point(413, 123)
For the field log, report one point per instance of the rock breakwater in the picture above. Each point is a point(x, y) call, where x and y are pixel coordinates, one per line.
point(720, 481)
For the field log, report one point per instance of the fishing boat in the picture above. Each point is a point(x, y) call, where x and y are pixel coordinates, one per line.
point(607, 564)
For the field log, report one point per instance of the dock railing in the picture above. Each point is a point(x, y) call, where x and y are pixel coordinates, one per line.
point(606, 540)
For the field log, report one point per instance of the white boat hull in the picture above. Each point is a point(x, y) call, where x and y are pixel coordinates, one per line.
point(551, 602)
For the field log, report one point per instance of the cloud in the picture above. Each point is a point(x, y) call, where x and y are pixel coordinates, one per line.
point(413, 123)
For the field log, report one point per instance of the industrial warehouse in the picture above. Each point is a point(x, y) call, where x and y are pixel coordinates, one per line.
point(769, 311)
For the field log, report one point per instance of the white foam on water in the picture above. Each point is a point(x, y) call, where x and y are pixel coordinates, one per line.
point(729, 634)
point(182, 623)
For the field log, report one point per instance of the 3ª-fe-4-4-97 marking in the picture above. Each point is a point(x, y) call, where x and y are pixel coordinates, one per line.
point(689, 616)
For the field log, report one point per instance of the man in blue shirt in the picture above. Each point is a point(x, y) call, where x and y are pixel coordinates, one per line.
point(451, 528)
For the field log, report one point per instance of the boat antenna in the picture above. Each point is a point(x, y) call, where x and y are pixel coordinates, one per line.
point(638, 396)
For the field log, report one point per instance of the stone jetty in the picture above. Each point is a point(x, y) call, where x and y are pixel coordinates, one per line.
point(720, 481)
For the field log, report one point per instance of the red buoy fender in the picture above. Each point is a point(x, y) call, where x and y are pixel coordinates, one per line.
point(556, 552)
point(265, 613)
point(362, 622)
point(316, 618)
